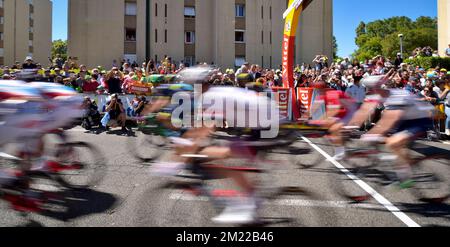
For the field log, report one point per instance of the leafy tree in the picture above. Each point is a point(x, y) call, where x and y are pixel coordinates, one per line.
point(380, 37)
point(335, 47)
point(59, 47)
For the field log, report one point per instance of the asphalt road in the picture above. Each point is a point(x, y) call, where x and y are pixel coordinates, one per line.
point(130, 196)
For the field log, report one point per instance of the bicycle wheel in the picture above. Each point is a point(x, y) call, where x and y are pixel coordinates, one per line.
point(356, 167)
point(147, 148)
point(431, 179)
point(304, 156)
point(81, 165)
point(53, 199)
point(166, 205)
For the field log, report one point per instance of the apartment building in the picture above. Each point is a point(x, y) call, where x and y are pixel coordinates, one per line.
point(443, 25)
point(223, 32)
point(25, 30)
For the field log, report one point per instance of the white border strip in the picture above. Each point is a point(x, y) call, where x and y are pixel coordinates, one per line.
point(379, 198)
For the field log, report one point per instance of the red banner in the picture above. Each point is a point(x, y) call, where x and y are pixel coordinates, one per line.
point(282, 99)
point(140, 89)
point(304, 96)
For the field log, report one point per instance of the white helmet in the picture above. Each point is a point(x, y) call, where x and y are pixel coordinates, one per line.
point(374, 81)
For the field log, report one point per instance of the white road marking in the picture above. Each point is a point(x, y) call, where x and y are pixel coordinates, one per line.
point(377, 196)
point(289, 202)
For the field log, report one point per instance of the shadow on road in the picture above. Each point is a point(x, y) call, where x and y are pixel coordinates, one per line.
point(427, 209)
point(80, 203)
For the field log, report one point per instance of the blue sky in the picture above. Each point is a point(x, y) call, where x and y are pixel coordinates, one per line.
point(347, 15)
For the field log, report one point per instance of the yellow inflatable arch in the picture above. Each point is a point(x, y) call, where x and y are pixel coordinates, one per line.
point(291, 15)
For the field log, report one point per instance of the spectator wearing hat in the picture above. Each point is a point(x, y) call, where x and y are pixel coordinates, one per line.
point(29, 64)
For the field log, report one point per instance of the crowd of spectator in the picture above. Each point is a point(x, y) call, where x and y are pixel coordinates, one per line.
point(432, 85)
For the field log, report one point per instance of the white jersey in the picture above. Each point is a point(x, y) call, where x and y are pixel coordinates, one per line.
point(21, 112)
point(410, 104)
point(237, 105)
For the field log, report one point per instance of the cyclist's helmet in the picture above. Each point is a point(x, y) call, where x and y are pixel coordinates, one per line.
point(168, 90)
point(196, 75)
point(374, 82)
point(243, 79)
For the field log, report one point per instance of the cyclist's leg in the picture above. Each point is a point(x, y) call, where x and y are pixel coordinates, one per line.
point(408, 131)
point(397, 144)
point(238, 177)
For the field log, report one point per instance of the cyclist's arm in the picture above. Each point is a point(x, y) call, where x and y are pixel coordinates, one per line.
point(363, 113)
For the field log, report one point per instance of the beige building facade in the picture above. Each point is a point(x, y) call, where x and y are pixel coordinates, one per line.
point(25, 30)
point(223, 32)
point(443, 25)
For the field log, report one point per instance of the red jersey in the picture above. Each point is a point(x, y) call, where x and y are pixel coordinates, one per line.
point(338, 100)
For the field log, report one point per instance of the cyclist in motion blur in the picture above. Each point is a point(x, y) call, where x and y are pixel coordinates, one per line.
point(194, 142)
point(404, 119)
point(28, 112)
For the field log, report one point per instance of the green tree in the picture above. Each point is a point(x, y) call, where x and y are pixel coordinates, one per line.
point(59, 47)
point(335, 48)
point(380, 37)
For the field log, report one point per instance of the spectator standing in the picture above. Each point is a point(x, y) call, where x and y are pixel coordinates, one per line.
point(398, 60)
point(29, 64)
point(357, 91)
point(114, 80)
point(447, 51)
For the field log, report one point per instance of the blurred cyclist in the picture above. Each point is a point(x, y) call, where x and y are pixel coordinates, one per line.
point(406, 117)
point(339, 111)
point(192, 144)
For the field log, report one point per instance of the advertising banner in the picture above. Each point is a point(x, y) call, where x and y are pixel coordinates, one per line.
point(305, 96)
point(282, 98)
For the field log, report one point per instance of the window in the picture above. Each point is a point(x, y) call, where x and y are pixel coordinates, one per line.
point(156, 59)
point(239, 61)
point(130, 34)
point(130, 8)
point(165, 36)
point(262, 12)
point(240, 10)
point(165, 10)
point(270, 62)
point(1, 3)
point(156, 35)
point(189, 12)
point(130, 57)
point(31, 30)
point(1, 52)
point(1, 36)
point(2, 19)
point(189, 37)
point(239, 36)
point(156, 9)
point(270, 13)
point(270, 37)
point(189, 61)
point(262, 61)
point(30, 43)
point(262, 37)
